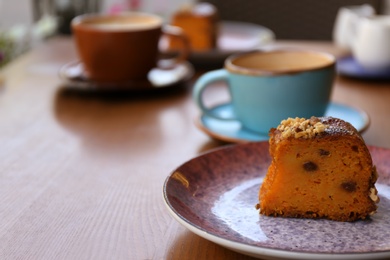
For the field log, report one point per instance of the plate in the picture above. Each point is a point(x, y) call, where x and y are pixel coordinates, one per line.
point(214, 196)
point(73, 75)
point(348, 66)
point(233, 132)
point(234, 37)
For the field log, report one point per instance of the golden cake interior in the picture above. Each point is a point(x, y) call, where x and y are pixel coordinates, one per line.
point(321, 168)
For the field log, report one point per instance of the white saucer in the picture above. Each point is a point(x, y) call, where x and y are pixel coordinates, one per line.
point(232, 131)
point(235, 37)
point(73, 75)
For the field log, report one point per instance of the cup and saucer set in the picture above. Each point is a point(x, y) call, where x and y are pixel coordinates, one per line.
point(268, 87)
point(365, 36)
point(109, 63)
point(119, 52)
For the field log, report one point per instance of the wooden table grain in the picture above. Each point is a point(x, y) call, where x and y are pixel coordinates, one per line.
point(81, 174)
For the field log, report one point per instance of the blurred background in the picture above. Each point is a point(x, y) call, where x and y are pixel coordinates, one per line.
point(25, 23)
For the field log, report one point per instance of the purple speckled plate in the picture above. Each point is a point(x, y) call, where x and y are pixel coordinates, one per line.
point(214, 196)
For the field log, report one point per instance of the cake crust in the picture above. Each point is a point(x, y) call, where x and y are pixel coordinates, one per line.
point(321, 168)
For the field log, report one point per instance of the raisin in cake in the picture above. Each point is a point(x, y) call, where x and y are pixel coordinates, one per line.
point(321, 168)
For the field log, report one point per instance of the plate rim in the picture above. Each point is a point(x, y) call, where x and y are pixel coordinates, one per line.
point(258, 251)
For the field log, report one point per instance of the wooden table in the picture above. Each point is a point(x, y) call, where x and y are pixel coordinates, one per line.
point(81, 175)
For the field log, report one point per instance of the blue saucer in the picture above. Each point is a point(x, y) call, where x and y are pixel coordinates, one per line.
point(348, 66)
point(233, 132)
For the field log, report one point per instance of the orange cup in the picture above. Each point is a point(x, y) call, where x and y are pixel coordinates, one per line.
point(123, 47)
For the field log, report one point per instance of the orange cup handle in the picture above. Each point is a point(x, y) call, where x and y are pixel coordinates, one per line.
point(183, 52)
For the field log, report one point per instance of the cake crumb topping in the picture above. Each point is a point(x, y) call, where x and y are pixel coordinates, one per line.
point(301, 127)
point(374, 195)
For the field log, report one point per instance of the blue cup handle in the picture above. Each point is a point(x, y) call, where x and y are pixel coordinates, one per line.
point(202, 83)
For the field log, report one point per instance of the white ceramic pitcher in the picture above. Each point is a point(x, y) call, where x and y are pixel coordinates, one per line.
point(345, 24)
point(371, 42)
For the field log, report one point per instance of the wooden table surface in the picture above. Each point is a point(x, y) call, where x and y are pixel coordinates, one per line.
point(81, 174)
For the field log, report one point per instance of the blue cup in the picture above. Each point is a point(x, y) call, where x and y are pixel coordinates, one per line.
point(268, 86)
